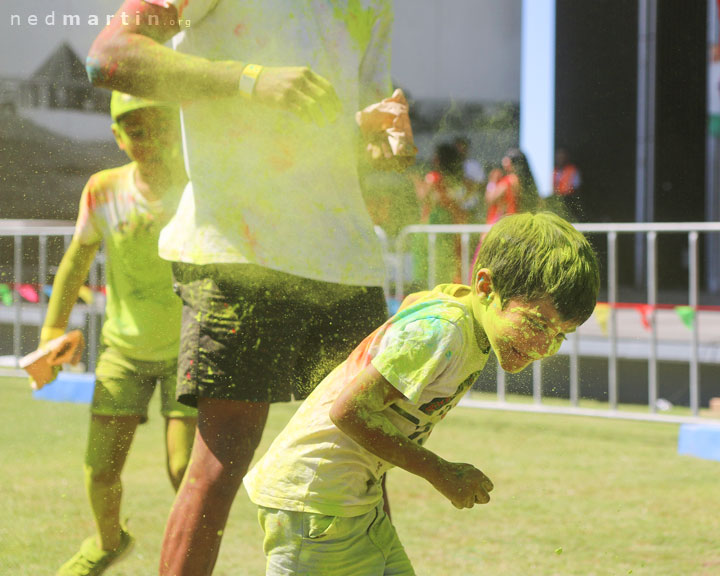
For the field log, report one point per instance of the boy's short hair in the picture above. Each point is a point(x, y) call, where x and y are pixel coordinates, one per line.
point(532, 256)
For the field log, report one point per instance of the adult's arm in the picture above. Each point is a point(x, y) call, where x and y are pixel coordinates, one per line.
point(129, 55)
point(358, 412)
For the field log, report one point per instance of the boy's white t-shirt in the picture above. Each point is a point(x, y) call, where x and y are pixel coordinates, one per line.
point(267, 187)
point(429, 352)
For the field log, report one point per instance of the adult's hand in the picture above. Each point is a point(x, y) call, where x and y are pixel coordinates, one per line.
point(299, 90)
point(387, 130)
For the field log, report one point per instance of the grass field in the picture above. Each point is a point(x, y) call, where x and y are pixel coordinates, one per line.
point(573, 496)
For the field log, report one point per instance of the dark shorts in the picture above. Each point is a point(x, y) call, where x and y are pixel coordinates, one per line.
point(257, 335)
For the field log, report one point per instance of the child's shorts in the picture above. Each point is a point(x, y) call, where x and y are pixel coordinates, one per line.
point(124, 386)
point(306, 544)
point(257, 335)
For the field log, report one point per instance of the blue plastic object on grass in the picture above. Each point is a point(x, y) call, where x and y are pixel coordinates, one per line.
point(701, 440)
point(68, 387)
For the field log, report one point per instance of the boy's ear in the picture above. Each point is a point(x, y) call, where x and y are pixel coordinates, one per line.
point(118, 136)
point(483, 282)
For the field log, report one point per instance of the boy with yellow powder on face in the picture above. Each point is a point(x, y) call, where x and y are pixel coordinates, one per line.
point(318, 488)
point(126, 207)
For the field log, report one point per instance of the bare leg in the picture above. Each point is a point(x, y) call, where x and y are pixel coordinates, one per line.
point(109, 441)
point(179, 434)
point(227, 434)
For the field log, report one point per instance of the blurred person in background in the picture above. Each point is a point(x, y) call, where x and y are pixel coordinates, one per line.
point(437, 195)
point(472, 200)
point(566, 183)
point(512, 191)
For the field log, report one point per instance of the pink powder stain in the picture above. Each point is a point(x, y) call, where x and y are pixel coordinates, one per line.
point(240, 29)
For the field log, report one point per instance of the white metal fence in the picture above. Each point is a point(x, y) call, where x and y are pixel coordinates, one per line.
point(663, 340)
point(674, 346)
point(26, 267)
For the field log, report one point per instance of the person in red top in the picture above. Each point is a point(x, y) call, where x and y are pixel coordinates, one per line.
point(438, 193)
point(566, 181)
point(512, 190)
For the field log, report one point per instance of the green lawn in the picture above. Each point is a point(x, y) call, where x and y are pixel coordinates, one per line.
point(573, 496)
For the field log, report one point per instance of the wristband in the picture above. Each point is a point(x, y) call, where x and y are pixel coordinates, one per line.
point(50, 333)
point(248, 79)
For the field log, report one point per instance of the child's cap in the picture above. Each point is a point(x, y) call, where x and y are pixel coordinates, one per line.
point(122, 103)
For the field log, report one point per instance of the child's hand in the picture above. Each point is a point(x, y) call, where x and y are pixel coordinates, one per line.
point(463, 484)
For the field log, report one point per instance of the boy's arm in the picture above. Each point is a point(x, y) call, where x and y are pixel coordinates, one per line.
point(358, 412)
point(71, 274)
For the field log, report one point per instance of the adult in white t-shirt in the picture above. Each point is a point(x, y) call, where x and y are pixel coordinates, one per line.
point(274, 254)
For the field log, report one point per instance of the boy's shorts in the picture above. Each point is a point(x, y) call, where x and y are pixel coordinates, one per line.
point(256, 335)
point(303, 543)
point(124, 386)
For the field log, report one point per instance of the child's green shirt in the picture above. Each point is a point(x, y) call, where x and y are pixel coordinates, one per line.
point(142, 311)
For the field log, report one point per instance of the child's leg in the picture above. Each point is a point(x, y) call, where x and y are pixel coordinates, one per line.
point(120, 401)
point(179, 435)
point(109, 441)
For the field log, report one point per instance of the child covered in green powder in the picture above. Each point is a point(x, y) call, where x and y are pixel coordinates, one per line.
point(318, 488)
point(126, 207)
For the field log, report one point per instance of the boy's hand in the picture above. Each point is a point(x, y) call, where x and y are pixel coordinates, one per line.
point(36, 363)
point(299, 90)
point(68, 349)
point(45, 363)
point(463, 484)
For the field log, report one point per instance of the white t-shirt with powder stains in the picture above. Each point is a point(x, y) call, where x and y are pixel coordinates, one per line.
point(429, 352)
point(265, 186)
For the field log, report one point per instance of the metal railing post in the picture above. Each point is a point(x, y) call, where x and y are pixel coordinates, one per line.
point(400, 265)
point(693, 302)
point(612, 320)
point(500, 387)
point(652, 319)
point(432, 241)
point(537, 382)
point(574, 370)
point(17, 298)
point(465, 263)
point(42, 276)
